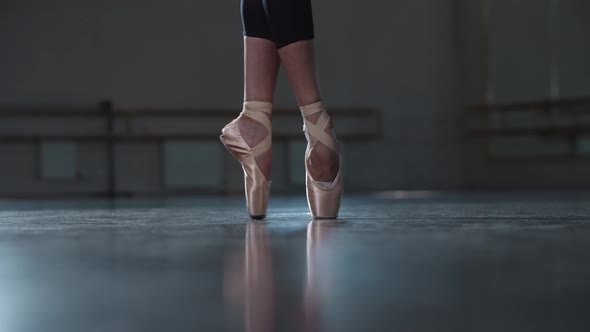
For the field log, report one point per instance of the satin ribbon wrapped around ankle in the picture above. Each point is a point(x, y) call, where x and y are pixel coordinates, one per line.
point(256, 185)
point(323, 198)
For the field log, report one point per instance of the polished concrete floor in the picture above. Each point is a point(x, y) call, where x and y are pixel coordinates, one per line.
point(393, 262)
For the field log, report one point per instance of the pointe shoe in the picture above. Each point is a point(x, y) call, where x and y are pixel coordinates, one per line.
point(323, 198)
point(257, 186)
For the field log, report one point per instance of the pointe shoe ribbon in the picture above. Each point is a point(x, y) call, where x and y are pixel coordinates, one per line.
point(256, 185)
point(256, 110)
point(315, 132)
point(323, 198)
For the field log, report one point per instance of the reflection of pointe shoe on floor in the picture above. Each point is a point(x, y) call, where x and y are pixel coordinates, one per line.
point(323, 198)
point(256, 184)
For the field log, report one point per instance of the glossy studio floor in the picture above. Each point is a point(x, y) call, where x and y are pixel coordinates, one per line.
point(393, 262)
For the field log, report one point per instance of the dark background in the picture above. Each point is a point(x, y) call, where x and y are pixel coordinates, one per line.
point(419, 66)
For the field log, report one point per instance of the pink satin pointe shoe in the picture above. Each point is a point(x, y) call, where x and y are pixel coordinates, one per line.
point(257, 186)
point(323, 198)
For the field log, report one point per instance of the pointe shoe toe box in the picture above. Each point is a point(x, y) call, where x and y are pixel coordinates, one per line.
point(324, 202)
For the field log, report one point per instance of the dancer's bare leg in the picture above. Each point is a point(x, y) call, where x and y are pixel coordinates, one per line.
point(261, 67)
point(299, 62)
